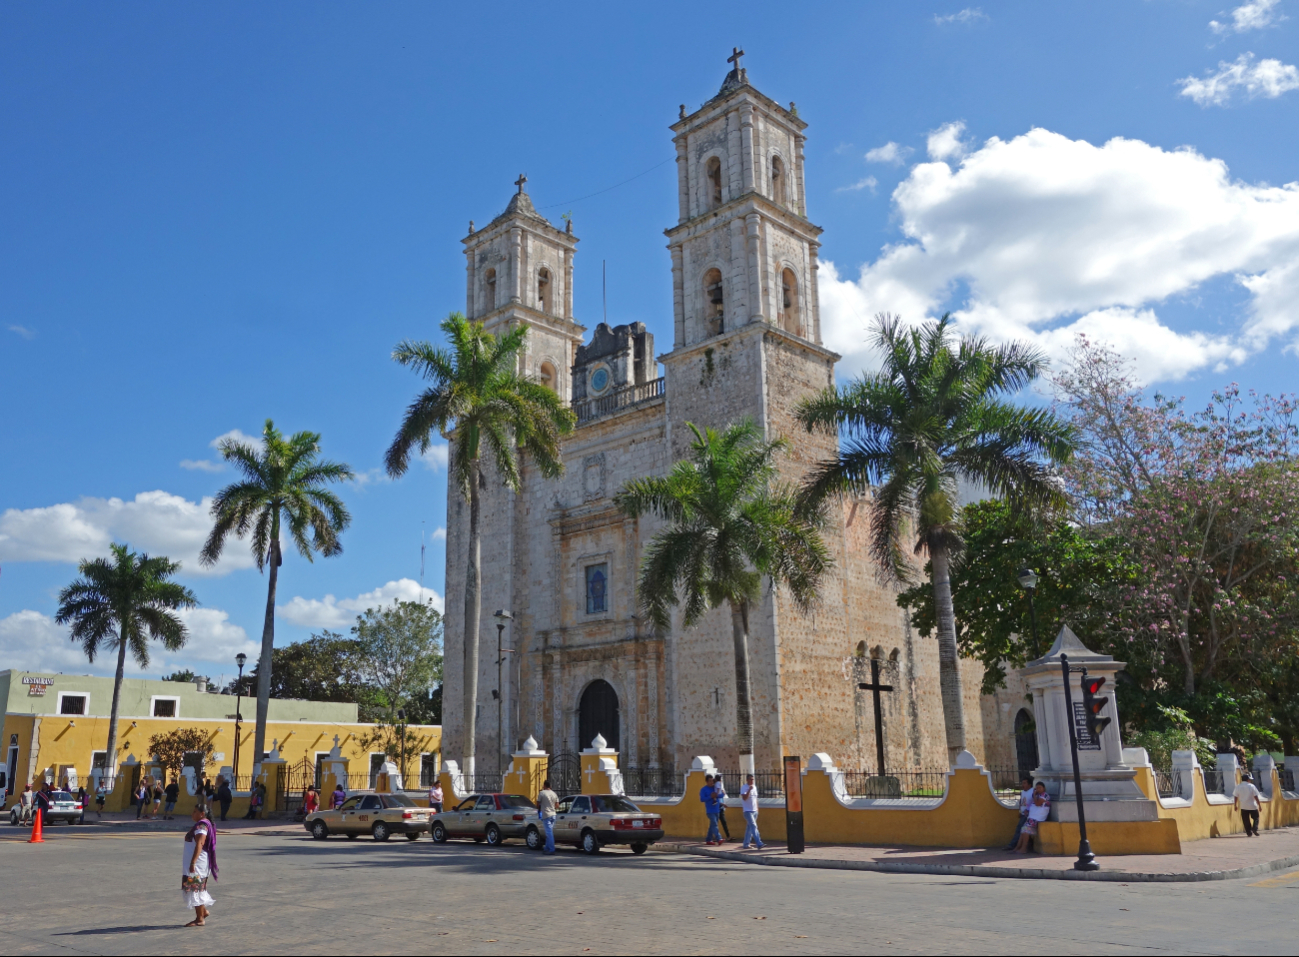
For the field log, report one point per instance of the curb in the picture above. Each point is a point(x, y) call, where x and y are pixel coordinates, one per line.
point(985, 870)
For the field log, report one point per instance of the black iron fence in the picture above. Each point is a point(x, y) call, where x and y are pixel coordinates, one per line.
point(915, 784)
point(771, 784)
point(652, 782)
point(1287, 779)
point(1214, 782)
point(1168, 782)
point(481, 783)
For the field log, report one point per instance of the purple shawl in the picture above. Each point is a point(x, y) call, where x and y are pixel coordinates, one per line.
point(209, 845)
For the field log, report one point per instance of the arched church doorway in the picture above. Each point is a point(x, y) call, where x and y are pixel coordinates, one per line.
point(1025, 742)
point(598, 714)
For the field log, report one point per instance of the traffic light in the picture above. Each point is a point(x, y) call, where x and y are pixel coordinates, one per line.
point(1093, 705)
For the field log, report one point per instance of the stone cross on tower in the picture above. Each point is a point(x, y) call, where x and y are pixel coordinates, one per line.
point(523, 178)
point(736, 53)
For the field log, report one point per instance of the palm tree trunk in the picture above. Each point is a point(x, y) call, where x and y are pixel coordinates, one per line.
point(110, 762)
point(264, 663)
point(949, 675)
point(473, 611)
point(743, 706)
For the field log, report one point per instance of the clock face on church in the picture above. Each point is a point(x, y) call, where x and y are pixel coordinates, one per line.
point(599, 379)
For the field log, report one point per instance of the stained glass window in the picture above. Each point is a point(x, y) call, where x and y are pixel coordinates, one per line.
point(597, 588)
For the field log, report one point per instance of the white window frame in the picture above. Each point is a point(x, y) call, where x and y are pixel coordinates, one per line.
point(154, 699)
point(73, 694)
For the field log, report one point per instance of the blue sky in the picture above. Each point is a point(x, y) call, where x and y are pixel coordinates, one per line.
point(215, 214)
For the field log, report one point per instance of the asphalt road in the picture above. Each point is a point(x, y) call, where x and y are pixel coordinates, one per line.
point(85, 891)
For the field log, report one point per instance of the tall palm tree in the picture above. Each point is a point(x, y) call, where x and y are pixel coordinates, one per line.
point(283, 485)
point(123, 603)
point(480, 401)
point(929, 417)
point(729, 524)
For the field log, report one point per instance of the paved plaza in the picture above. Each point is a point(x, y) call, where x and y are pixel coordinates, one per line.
point(102, 890)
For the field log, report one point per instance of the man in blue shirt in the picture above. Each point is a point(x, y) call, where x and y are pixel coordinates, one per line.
point(708, 795)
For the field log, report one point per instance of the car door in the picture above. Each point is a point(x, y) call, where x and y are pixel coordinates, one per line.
point(346, 823)
point(368, 812)
point(456, 821)
point(480, 815)
point(577, 814)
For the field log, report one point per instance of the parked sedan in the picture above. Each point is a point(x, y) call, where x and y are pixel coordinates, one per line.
point(488, 817)
point(62, 806)
point(380, 815)
point(593, 820)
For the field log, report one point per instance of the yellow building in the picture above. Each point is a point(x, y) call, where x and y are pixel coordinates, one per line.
point(56, 729)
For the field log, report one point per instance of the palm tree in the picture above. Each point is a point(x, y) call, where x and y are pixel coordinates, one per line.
point(730, 523)
point(284, 484)
point(123, 603)
point(481, 403)
point(929, 417)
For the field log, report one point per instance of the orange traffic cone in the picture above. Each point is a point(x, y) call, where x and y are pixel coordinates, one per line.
point(37, 833)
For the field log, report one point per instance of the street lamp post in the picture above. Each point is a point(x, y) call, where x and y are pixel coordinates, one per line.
point(501, 617)
point(1086, 859)
point(239, 697)
point(1028, 581)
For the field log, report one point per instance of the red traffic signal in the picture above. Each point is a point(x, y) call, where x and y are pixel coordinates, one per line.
point(1093, 705)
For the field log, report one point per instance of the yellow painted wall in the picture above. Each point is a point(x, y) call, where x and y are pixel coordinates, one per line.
point(69, 741)
point(1202, 819)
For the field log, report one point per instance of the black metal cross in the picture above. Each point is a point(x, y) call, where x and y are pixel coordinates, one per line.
point(875, 688)
point(523, 178)
point(736, 53)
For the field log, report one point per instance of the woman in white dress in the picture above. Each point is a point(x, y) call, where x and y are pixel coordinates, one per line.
point(198, 864)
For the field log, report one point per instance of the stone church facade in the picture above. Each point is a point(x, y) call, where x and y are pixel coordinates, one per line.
point(746, 343)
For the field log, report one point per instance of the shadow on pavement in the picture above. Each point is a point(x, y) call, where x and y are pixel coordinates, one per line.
point(129, 929)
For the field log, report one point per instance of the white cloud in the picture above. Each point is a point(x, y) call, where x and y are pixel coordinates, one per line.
point(31, 641)
point(945, 142)
point(254, 440)
point(201, 465)
point(331, 612)
point(156, 522)
point(869, 182)
point(890, 152)
point(967, 16)
point(23, 331)
point(1254, 15)
point(1043, 236)
point(436, 457)
point(217, 465)
point(440, 535)
point(1267, 78)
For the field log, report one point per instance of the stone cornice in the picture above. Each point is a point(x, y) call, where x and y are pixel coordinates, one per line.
point(749, 202)
point(722, 104)
point(748, 331)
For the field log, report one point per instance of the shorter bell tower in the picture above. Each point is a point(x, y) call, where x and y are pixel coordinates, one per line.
point(520, 270)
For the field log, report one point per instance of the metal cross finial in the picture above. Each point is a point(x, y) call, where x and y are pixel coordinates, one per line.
point(523, 178)
point(736, 53)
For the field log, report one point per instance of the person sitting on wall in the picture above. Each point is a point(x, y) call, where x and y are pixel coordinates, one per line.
point(1038, 811)
point(1025, 799)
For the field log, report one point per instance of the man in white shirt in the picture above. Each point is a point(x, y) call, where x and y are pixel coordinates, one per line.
point(749, 795)
point(1245, 799)
point(547, 802)
point(1025, 798)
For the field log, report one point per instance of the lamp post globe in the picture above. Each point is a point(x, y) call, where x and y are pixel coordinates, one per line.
point(1028, 581)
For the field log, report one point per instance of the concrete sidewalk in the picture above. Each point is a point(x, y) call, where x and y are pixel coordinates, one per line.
point(1217, 859)
point(127, 821)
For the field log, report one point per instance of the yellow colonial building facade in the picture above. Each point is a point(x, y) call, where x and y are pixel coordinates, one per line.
point(56, 729)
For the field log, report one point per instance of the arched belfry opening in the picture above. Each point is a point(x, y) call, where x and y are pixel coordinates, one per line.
point(777, 180)
point(489, 290)
point(714, 303)
point(713, 173)
point(544, 286)
point(548, 377)
point(789, 313)
point(598, 714)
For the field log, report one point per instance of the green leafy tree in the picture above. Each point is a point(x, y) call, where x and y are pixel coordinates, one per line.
point(486, 407)
point(730, 522)
point(1080, 582)
point(187, 676)
point(122, 603)
point(929, 417)
point(400, 649)
point(325, 667)
point(170, 747)
point(283, 489)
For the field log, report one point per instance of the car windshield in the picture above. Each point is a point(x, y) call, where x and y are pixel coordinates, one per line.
point(350, 804)
point(398, 800)
point(516, 800)
point(62, 796)
point(608, 803)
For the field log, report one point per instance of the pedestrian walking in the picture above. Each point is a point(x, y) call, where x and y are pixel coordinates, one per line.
point(101, 795)
point(720, 787)
point(142, 793)
point(708, 797)
point(198, 864)
point(173, 795)
point(1039, 810)
point(1025, 796)
point(749, 800)
point(26, 801)
point(435, 797)
point(223, 795)
point(311, 801)
point(255, 802)
point(547, 801)
point(1245, 799)
point(209, 790)
point(158, 795)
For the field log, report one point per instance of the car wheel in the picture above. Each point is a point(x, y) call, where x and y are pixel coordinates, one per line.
point(533, 839)
point(380, 831)
point(320, 830)
point(352, 837)
point(639, 848)
point(413, 836)
point(590, 843)
point(13, 819)
point(439, 833)
point(493, 835)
